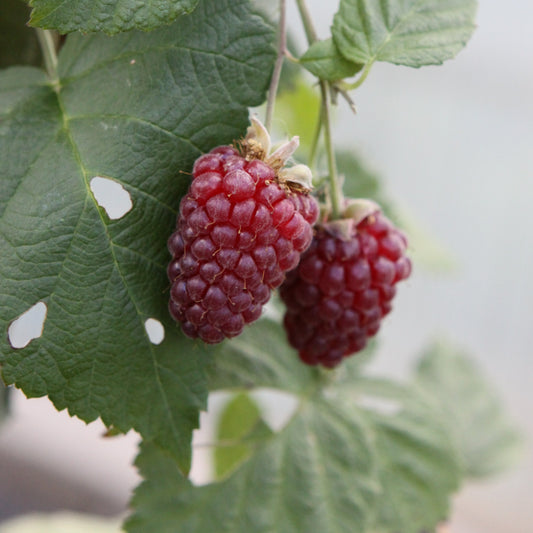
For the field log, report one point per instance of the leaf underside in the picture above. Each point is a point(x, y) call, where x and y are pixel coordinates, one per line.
point(137, 109)
point(324, 61)
point(470, 408)
point(338, 465)
point(317, 474)
point(405, 32)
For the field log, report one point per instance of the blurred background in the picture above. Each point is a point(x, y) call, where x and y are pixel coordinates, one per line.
point(455, 147)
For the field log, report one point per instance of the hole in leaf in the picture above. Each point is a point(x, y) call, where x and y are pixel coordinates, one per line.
point(278, 407)
point(28, 326)
point(111, 196)
point(155, 330)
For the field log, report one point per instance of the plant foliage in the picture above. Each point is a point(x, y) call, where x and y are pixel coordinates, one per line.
point(137, 109)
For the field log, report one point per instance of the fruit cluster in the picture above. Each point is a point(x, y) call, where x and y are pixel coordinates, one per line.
point(343, 287)
point(245, 227)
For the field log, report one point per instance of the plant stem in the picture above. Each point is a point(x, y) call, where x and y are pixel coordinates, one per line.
point(335, 189)
point(309, 28)
point(48, 48)
point(276, 74)
point(360, 80)
point(314, 143)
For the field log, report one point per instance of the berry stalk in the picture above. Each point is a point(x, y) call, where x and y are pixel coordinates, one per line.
point(335, 188)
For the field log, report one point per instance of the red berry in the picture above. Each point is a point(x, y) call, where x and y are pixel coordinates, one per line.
point(239, 230)
point(342, 289)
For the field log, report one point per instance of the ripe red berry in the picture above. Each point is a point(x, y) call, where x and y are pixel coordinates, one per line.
point(239, 230)
point(343, 287)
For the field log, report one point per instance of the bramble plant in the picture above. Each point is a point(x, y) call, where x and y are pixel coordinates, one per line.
point(99, 134)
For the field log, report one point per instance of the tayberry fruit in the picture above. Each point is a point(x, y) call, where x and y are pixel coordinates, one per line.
point(344, 285)
point(243, 223)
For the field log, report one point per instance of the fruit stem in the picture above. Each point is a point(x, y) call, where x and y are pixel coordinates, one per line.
point(48, 48)
point(336, 196)
point(309, 28)
point(335, 189)
point(276, 73)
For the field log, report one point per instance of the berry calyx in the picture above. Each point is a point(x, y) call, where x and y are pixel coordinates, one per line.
point(243, 223)
point(344, 285)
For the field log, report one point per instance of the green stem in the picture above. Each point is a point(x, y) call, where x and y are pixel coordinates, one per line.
point(276, 73)
point(336, 196)
point(335, 189)
point(314, 143)
point(360, 80)
point(48, 48)
point(309, 28)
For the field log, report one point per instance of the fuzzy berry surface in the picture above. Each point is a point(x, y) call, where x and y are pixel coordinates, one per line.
point(342, 289)
point(238, 232)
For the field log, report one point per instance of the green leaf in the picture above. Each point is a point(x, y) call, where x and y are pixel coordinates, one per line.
point(471, 411)
point(260, 357)
point(418, 464)
point(18, 43)
point(324, 61)
point(109, 16)
point(239, 426)
point(317, 474)
point(419, 470)
point(404, 32)
point(137, 109)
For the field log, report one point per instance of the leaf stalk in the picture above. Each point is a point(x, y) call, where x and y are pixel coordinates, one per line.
point(48, 48)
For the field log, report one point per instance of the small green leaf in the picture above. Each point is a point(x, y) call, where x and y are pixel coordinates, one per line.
point(135, 109)
point(106, 16)
point(471, 411)
point(18, 43)
point(317, 474)
point(324, 61)
point(404, 32)
point(239, 426)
